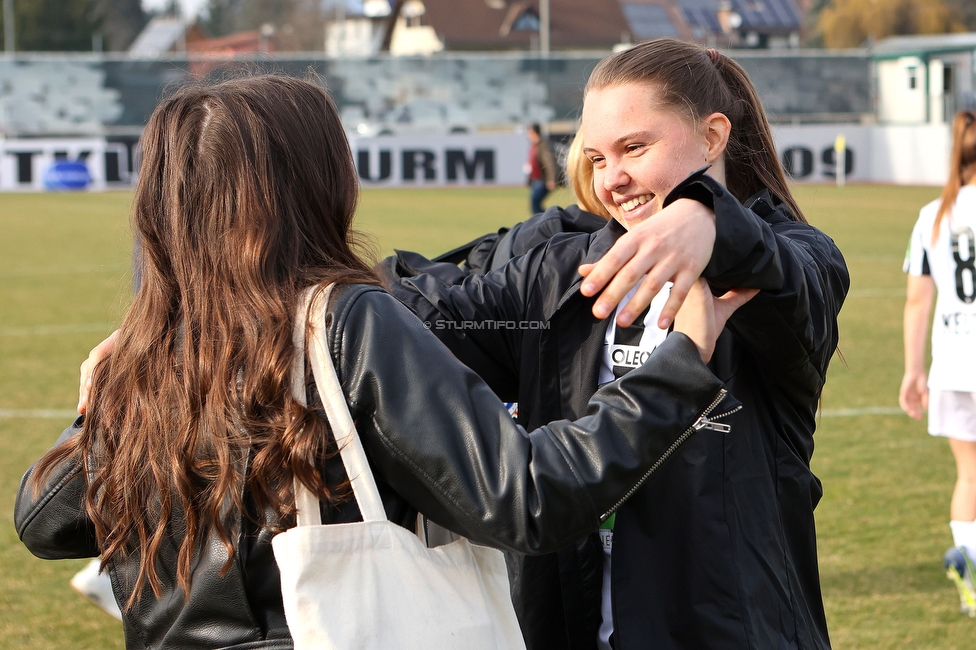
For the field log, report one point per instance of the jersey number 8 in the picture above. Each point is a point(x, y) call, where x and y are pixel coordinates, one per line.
point(965, 266)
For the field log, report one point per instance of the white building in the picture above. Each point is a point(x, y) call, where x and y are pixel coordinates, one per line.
point(358, 34)
point(923, 79)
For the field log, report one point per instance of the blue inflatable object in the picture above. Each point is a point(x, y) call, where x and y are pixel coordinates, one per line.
point(67, 175)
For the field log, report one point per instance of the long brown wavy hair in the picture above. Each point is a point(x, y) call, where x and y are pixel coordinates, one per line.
point(246, 195)
point(696, 82)
point(962, 164)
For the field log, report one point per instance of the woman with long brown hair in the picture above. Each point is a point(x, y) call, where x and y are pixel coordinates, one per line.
point(941, 260)
point(182, 469)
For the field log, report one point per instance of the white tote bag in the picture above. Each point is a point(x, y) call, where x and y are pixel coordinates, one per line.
point(374, 584)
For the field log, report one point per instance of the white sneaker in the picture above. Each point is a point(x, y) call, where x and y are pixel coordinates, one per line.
point(97, 587)
point(959, 569)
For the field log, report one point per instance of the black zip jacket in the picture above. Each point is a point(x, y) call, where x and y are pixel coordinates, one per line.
point(493, 250)
point(438, 441)
point(718, 549)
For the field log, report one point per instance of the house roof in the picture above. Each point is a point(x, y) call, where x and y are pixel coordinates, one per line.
point(654, 19)
point(771, 15)
point(698, 18)
point(163, 34)
point(237, 43)
point(493, 24)
point(896, 46)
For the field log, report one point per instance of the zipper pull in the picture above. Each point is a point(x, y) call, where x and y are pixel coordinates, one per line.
point(704, 423)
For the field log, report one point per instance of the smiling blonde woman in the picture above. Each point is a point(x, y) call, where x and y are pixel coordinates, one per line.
point(719, 549)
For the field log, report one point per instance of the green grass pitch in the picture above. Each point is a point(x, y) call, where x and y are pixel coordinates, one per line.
point(65, 280)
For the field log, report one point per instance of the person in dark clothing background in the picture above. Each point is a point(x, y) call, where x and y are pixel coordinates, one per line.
point(541, 168)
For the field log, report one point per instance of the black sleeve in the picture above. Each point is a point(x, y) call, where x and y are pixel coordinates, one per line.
point(792, 330)
point(52, 522)
point(465, 316)
point(437, 434)
point(790, 327)
point(746, 253)
point(544, 226)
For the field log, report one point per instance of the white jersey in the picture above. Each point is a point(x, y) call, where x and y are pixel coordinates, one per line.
point(951, 261)
point(623, 350)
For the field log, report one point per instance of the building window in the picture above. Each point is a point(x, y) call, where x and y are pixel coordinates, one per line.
point(527, 22)
point(912, 77)
point(414, 13)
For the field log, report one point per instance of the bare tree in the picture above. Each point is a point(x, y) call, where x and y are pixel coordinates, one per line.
point(120, 22)
point(965, 10)
point(296, 24)
point(852, 23)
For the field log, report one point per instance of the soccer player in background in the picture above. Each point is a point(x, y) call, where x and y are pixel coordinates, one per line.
point(941, 267)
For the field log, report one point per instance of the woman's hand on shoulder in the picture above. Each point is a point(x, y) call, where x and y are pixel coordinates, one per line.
point(674, 246)
point(96, 356)
point(702, 316)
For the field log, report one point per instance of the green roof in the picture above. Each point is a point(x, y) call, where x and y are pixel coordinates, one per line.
point(923, 45)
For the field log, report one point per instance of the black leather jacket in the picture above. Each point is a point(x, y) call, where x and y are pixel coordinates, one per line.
point(727, 558)
point(439, 442)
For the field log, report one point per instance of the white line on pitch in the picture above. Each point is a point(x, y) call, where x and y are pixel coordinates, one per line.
point(57, 329)
point(28, 272)
point(867, 410)
point(39, 414)
point(877, 293)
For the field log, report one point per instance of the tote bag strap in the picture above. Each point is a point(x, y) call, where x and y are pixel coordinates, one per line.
point(311, 312)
